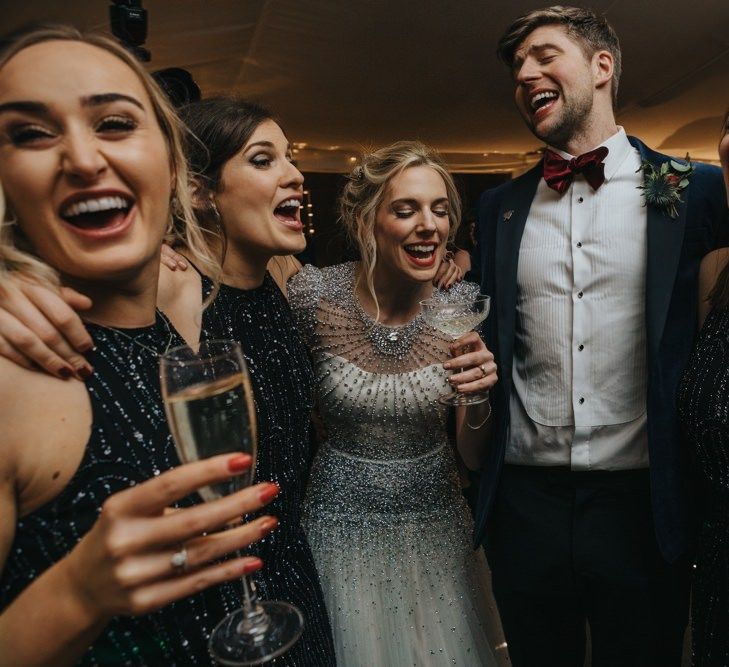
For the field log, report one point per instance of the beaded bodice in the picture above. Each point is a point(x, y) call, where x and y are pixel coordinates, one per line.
point(283, 387)
point(377, 385)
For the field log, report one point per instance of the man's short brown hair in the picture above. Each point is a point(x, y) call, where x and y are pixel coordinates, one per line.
point(592, 32)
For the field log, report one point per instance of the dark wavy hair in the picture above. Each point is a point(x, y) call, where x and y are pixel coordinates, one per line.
point(219, 128)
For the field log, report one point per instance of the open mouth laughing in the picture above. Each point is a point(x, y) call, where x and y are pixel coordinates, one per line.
point(421, 254)
point(288, 212)
point(98, 213)
point(541, 101)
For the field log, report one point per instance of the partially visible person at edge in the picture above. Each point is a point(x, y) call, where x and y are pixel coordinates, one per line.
point(388, 526)
point(94, 567)
point(586, 506)
point(703, 405)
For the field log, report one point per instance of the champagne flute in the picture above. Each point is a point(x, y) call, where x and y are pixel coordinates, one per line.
point(455, 318)
point(210, 410)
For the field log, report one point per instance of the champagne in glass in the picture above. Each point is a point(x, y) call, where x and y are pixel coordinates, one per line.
point(456, 318)
point(210, 409)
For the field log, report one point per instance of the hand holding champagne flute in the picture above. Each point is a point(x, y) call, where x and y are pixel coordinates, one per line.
point(210, 408)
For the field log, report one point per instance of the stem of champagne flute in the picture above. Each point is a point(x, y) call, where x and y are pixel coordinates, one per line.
point(255, 619)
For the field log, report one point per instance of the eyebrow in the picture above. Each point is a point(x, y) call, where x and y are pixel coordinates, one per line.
point(266, 144)
point(534, 48)
point(38, 108)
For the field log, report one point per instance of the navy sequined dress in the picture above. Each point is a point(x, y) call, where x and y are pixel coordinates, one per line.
point(703, 403)
point(129, 443)
point(283, 385)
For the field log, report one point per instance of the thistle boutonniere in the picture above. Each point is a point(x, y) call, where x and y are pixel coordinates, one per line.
point(662, 186)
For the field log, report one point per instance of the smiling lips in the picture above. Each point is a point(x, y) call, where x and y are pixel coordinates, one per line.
point(98, 214)
point(287, 212)
point(421, 254)
point(541, 101)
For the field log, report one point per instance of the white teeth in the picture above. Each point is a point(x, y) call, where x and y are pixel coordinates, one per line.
point(94, 205)
point(421, 248)
point(540, 96)
point(290, 203)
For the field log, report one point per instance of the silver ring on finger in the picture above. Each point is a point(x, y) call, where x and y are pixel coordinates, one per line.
point(482, 367)
point(178, 560)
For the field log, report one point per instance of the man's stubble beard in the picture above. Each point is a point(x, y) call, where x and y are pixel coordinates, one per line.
point(573, 122)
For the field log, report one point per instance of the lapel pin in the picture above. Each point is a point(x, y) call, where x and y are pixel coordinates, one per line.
point(507, 215)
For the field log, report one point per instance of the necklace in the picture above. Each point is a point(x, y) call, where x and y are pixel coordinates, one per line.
point(389, 341)
point(134, 340)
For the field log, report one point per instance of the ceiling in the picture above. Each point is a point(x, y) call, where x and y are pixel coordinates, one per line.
point(343, 75)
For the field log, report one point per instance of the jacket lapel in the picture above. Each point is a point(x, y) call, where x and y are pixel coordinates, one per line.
point(665, 239)
point(512, 217)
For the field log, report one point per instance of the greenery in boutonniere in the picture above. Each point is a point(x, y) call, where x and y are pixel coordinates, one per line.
point(662, 186)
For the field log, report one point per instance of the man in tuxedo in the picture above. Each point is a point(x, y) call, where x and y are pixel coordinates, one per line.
point(585, 506)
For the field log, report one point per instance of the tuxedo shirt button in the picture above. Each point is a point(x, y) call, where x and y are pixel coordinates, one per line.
point(580, 200)
point(579, 244)
point(579, 295)
point(581, 401)
point(580, 348)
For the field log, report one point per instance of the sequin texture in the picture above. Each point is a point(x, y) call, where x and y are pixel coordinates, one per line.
point(388, 526)
point(283, 387)
point(129, 443)
point(703, 402)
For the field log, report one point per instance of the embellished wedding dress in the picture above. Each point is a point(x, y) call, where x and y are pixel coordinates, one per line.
point(387, 523)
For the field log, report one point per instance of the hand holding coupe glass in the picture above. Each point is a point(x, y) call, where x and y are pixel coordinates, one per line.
point(475, 363)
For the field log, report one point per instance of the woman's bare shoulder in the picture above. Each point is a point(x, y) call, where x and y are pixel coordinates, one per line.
point(46, 423)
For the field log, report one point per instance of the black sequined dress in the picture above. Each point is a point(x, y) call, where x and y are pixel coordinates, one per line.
point(283, 385)
point(703, 403)
point(129, 443)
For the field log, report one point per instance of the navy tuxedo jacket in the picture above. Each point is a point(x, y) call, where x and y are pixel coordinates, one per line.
point(675, 249)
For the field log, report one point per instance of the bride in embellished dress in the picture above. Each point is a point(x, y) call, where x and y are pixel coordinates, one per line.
point(385, 517)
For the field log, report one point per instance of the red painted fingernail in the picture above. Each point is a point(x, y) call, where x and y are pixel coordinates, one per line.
point(269, 492)
point(268, 524)
point(252, 565)
point(239, 463)
point(65, 372)
point(85, 372)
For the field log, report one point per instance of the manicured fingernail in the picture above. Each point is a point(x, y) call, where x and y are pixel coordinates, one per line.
point(446, 365)
point(182, 265)
point(239, 463)
point(252, 565)
point(65, 372)
point(87, 347)
point(85, 372)
point(268, 523)
point(269, 492)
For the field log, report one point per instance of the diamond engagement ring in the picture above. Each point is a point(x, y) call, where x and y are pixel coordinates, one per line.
point(178, 560)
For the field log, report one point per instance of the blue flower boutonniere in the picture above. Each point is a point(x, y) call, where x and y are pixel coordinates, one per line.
point(662, 186)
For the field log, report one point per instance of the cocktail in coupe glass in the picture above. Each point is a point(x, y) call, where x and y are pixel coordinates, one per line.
point(456, 318)
point(210, 410)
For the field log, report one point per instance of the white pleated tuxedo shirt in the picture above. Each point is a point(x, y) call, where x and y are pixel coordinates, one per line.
point(579, 372)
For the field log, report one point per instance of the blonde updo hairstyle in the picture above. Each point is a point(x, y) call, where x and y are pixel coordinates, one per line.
point(366, 189)
point(17, 255)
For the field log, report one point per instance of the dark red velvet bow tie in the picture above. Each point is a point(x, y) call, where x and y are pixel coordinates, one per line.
point(558, 172)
